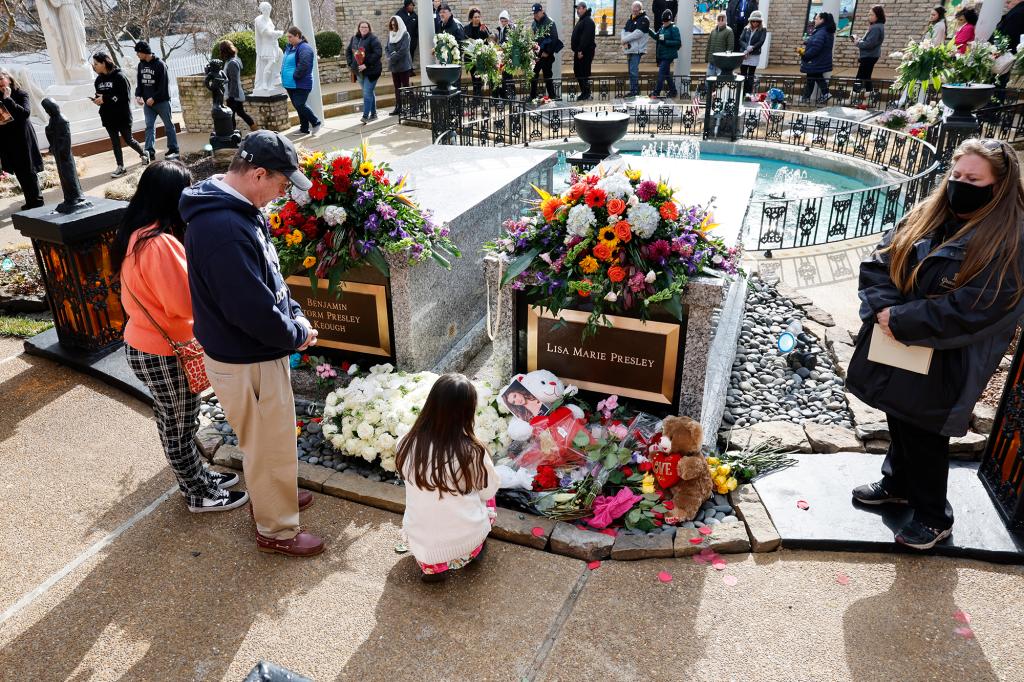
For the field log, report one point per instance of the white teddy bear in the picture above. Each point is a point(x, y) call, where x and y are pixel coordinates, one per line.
point(547, 388)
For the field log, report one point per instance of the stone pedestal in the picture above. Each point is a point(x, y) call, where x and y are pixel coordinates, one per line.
point(270, 113)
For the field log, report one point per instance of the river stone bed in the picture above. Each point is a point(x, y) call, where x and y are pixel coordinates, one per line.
point(762, 386)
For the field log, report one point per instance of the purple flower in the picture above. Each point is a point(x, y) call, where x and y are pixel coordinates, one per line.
point(372, 223)
point(647, 190)
point(565, 481)
point(386, 212)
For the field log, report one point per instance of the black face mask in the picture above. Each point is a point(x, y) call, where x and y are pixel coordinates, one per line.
point(966, 198)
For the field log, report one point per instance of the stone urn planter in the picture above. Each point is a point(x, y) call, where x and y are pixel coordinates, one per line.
point(600, 130)
point(727, 62)
point(966, 98)
point(445, 77)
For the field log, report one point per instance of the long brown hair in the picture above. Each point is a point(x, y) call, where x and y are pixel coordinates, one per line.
point(227, 50)
point(997, 225)
point(441, 450)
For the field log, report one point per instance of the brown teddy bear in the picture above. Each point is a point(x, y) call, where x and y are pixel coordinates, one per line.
point(691, 483)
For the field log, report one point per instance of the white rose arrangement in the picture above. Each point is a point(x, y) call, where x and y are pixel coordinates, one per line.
point(369, 417)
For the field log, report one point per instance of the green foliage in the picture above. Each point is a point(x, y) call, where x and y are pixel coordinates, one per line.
point(245, 41)
point(22, 327)
point(973, 66)
point(328, 44)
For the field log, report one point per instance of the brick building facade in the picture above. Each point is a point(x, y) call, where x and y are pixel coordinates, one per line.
point(905, 19)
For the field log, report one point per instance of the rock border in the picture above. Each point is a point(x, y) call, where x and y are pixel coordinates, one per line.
point(753, 532)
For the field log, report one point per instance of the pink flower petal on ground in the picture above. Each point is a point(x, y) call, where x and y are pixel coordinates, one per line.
point(696, 541)
point(962, 617)
point(538, 532)
point(665, 577)
point(709, 554)
point(964, 632)
point(802, 504)
point(594, 564)
point(697, 558)
point(730, 580)
point(842, 579)
point(718, 565)
point(608, 531)
point(706, 530)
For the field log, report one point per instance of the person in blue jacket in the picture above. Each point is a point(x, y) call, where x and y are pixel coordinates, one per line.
point(816, 60)
point(249, 325)
point(669, 42)
point(297, 78)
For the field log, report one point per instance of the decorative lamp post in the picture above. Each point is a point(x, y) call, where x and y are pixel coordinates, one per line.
point(73, 253)
point(1002, 466)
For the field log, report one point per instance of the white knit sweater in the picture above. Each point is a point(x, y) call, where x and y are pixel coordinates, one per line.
point(446, 528)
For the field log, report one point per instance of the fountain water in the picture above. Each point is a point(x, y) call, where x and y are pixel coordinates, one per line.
point(682, 149)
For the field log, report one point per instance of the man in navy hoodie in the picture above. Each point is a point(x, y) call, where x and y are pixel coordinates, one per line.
point(248, 325)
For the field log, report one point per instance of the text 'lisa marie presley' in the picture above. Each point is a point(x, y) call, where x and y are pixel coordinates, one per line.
point(605, 356)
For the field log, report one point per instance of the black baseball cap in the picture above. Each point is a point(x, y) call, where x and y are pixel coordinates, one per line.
point(267, 149)
point(142, 47)
point(537, 7)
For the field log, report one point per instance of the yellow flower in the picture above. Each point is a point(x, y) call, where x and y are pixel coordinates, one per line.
point(309, 262)
point(365, 168)
point(707, 225)
point(312, 159)
point(732, 483)
point(632, 174)
point(647, 485)
point(720, 480)
point(275, 220)
point(294, 238)
point(722, 490)
point(298, 431)
point(724, 469)
point(713, 461)
point(606, 234)
point(588, 265)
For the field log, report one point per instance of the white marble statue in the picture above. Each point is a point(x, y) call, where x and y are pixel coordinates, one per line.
point(35, 93)
point(63, 25)
point(268, 55)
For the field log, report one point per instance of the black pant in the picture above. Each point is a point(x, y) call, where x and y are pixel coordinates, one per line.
point(863, 80)
point(238, 110)
point(544, 65)
point(116, 135)
point(748, 75)
point(818, 78)
point(737, 31)
point(400, 80)
point(917, 466)
point(581, 69)
point(29, 181)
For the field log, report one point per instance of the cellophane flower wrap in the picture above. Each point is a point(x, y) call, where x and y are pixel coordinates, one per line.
point(354, 214)
point(612, 243)
point(370, 416)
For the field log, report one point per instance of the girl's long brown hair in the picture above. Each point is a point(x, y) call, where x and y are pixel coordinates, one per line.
point(441, 450)
point(997, 225)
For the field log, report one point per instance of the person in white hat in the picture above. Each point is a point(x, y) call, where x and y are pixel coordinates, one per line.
point(751, 42)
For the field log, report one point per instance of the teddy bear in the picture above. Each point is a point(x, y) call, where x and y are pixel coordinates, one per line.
point(680, 467)
point(546, 389)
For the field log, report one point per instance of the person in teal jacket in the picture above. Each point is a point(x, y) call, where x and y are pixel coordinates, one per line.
point(668, 41)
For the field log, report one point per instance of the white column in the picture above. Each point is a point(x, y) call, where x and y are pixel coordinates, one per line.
point(991, 13)
point(553, 8)
point(764, 7)
point(425, 30)
point(303, 18)
point(685, 24)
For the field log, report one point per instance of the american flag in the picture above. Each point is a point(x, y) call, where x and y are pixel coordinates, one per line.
point(698, 103)
point(766, 110)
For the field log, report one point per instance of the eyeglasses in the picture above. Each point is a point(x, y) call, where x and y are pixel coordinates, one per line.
point(993, 145)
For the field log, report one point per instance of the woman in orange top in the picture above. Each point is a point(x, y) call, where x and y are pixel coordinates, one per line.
point(149, 251)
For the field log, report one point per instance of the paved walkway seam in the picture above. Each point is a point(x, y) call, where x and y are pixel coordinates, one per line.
point(556, 626)
point(30, 597)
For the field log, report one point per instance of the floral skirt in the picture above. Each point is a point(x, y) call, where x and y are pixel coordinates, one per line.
point(454, 564)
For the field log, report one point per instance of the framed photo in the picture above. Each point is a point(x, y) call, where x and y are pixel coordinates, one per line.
point(603, 14)
point(844, 22)
point(522, 402)
point(5, 116)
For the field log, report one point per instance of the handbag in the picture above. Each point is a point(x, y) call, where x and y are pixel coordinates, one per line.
point(1003, 63)
point(189, 353)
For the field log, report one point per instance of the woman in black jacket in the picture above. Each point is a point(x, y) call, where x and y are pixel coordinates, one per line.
point(113, 96)
point(476, 30)
point(19, 151)
point(364, 54)
point(949, 279)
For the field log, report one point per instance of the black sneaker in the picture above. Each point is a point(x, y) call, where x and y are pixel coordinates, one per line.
point(919, 536)
point(373, 117)
point(171, 156)
point(224, 479)
point(875, 493)
point(225, 500)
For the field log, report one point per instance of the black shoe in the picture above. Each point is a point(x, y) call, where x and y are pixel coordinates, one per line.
point(395, 112)
point(919, 536)
point(304, 132)
point(875, 493)
point(223, 501)
point(373, 117)
point(224, 479)
point(170, 156)
point(435, 577)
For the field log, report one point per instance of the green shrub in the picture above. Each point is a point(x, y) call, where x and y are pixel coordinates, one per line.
point(328, 44)
point(245, 41)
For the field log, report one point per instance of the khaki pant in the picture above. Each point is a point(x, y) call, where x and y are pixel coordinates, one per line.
point(258, 403)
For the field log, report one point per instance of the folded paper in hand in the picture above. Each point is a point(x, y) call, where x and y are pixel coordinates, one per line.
point(886, 350)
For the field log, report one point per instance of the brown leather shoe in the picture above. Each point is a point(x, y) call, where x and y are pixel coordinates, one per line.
point(305, 499)
point(303, 544)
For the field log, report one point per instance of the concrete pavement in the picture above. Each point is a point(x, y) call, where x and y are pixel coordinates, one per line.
point(179, 596)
